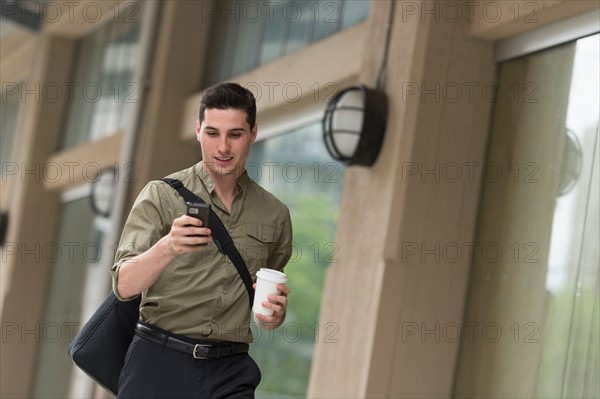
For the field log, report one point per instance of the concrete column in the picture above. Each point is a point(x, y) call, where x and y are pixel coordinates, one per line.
point(392, 272)
point(176, 74)
point(33, 214)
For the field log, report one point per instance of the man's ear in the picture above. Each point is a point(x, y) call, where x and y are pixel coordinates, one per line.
point(254, 132)
point(198, 129)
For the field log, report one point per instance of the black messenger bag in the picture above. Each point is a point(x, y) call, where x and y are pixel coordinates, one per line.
point(99, 348)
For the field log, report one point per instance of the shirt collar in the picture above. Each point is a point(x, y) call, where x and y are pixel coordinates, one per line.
point(208, 183)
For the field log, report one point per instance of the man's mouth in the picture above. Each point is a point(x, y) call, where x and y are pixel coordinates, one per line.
point(224, 159)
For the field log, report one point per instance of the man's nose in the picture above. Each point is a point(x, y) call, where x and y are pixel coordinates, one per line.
point(223, 144)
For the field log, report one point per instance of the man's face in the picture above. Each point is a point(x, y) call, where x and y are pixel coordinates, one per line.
point(226, 138)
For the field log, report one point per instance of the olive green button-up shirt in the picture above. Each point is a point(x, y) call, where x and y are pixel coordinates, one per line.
point(200, 294)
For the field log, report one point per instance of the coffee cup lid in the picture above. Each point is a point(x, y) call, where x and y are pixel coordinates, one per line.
point(272, 275)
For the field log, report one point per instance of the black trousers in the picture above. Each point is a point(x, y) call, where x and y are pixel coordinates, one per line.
point(154, 371)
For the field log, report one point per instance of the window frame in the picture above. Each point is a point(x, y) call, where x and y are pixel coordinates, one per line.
point(547, 36)
point(287, 121)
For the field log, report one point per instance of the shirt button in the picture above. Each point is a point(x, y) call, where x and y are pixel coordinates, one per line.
point(227, 260)
point(230, 231)
point(264, 237)
point(224, 291)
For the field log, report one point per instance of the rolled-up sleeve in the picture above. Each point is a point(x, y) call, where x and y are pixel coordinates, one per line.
point(145, 225)
point(283, 249)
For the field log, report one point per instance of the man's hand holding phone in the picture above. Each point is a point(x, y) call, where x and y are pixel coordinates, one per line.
point(190, 232)
point(199, 211)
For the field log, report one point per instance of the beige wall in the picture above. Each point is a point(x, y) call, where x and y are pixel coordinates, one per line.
point(42, 61)
point(388, 289)
point(16, 56)
point(387, 303)
point(33, 216)
point(377, 292)
point(176, 74)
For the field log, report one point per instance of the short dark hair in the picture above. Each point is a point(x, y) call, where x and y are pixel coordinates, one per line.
point(229, 96)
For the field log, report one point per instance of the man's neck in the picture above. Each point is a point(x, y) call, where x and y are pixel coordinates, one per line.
point(226, 188)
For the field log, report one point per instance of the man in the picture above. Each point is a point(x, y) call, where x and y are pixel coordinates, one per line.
point(191, 293)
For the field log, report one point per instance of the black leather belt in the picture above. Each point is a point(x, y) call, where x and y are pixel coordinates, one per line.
point(199, 350)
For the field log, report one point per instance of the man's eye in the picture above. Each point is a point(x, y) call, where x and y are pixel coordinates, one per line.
point(211, 133)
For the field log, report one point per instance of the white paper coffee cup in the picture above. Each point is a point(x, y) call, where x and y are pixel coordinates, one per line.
point(266, 283)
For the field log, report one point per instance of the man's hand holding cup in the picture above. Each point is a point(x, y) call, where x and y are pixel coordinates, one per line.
point(270, 299)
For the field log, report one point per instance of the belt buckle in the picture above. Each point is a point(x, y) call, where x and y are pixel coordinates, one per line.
point(196, 347)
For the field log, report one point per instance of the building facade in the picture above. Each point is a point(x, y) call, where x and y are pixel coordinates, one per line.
point(463, 263)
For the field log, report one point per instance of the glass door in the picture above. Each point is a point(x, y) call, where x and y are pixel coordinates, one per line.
point(75, 257)
point(533, 301)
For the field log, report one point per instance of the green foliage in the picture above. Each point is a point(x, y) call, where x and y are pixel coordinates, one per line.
point(285, 355)
point(570, 340)
point(297, 169)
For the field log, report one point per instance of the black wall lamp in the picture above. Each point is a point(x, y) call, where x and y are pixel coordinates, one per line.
point(354, 125)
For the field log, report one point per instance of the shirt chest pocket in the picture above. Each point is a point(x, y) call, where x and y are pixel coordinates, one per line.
point(259, 245)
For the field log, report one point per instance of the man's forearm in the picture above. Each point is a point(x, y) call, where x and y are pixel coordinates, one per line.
point(140, 272)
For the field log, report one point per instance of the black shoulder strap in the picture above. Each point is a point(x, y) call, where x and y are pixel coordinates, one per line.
point(220, 236)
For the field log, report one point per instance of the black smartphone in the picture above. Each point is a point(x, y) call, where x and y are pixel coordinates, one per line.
point(199, 210)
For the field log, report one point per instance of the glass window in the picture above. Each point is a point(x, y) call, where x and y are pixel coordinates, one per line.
point(249, 34)
point(297, 169)
point(533, 304)
point(330, 16)
point(247, 47)
point(298, 23)
point(571, 354)
point(9, 112)
point(103, 89)
point(75, 256)
point(271, 46)
point(354, 14)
